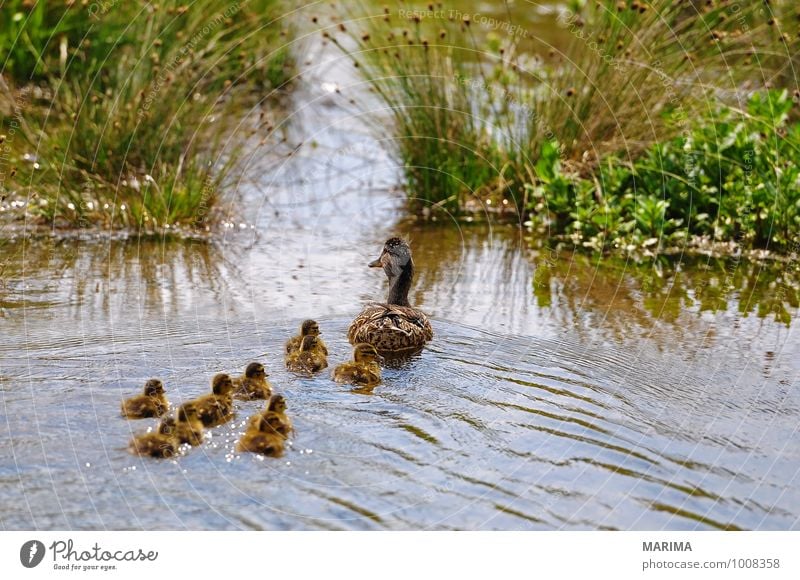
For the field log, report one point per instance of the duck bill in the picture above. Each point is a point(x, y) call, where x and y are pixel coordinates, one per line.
point(376, 263)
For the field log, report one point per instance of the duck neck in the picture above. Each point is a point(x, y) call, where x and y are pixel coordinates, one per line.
point(400, 285)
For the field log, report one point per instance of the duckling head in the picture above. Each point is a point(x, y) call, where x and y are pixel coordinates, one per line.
point(187, 412)
point(309, 342)
point(167, 426)
point(394, 258)
point(366, 353)
point(221, 384)
point(255, 370)
point(153, 388)
point(277, 403)
point(309, 328)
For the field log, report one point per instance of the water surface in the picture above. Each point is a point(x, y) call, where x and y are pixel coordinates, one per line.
point(560, 391)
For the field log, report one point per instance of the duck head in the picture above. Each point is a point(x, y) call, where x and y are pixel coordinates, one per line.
point(395, 256)
point(167, 426)
point(153, 388)
point(255, 370)
point(366, 353)
point(221, 384)
point(277, 403)
point(309, 328)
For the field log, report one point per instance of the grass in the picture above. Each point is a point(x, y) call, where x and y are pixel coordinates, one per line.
point(440, 135)
point(589, 139)
point(128, 122)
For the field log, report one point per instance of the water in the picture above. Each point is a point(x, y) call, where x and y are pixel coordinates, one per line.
point(559, 392)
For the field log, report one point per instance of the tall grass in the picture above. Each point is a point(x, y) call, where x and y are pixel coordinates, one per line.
point(473, 113)
point(133, 127)
point(440, 133)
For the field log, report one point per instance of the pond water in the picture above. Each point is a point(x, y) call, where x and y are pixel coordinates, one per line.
point(560, 391)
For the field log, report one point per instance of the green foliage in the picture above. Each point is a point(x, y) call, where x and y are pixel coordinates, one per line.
point(619, 144)
point(133, 123)
point(733, 177)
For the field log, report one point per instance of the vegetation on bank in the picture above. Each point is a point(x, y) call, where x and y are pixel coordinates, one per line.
point(655, 127)
point(119, 114)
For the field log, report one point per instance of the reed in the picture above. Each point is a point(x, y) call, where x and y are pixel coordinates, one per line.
point(567, 136)
point(130, 124)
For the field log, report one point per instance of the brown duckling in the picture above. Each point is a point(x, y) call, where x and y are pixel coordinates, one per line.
point(216, 408)
point(189, 427)
point(253, 384)
point(153, 403)
point(363, 370)
point(263, 437)
point(276, 407)
point(308, 328)
point(160, 444)
point(309, 359)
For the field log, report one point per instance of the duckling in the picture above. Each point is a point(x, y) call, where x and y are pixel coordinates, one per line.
point(253, 384)
point(216, 408)
point(276, 407)
point(308, 328)
point(160, 444)
point(309, 359)
point(189, 427)
point(363, 371)
point(263, 437)
point(153, 403)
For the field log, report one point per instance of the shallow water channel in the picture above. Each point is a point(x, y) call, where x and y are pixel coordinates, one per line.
point(560, 391)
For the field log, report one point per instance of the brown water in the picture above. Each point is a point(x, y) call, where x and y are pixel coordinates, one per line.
point(560, 391)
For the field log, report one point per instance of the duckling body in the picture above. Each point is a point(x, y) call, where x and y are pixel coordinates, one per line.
point(309, 359)
point(253, 384)
point(160, 444)
point(275, 414)
point(264, 443)
point(363, 370)
point(153, 403)
point(394, 326)
point(216, 408)
point(263, 436)
point(308, 328)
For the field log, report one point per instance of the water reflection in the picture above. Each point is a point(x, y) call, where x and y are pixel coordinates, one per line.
point(561, 391)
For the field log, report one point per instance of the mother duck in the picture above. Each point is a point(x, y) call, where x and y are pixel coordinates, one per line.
point(394, 326)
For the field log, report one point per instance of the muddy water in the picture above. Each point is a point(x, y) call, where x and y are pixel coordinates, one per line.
point(560, 392)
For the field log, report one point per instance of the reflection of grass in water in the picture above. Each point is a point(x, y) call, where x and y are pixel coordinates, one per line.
point(475, 120)
point(131, 127)
point(665, 288)
point(98, 269)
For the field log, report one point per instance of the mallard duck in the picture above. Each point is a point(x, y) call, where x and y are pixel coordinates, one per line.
point(276, 407)
point(253, 384)
point(216, 408)
point(394, 326)
point(309, 359)
point(153, 403)
point(363, 370)
point(188, 428)
point(160, 444)
point(263, 437)
point(308, 328)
